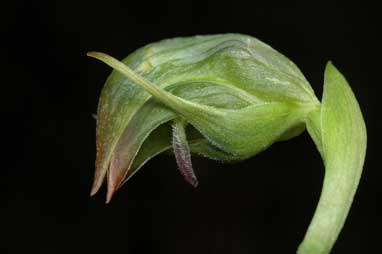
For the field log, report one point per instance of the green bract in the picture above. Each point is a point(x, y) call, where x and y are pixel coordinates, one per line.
point(227, 97)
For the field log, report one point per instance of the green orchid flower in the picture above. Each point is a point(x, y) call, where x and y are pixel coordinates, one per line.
point(227, 97)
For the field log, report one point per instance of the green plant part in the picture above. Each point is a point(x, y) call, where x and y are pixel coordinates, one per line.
point(227, 97)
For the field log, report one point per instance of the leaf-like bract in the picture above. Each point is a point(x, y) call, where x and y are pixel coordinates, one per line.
point(343, 140)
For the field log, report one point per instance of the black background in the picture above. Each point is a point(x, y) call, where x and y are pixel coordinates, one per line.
point(49, 90)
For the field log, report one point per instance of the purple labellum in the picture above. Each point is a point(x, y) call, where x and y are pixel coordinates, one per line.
point(182, 153)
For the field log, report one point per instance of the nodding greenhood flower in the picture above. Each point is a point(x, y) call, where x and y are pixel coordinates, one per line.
point(227, 97)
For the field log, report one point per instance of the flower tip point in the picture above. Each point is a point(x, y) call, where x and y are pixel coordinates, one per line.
point(93, 192)
point(194, 183)
point(110, 193)
point(95, 188)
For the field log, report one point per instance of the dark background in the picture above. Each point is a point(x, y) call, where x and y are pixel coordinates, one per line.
point(49, 90)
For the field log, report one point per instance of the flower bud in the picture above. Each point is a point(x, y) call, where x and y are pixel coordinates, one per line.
point(225, 97)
